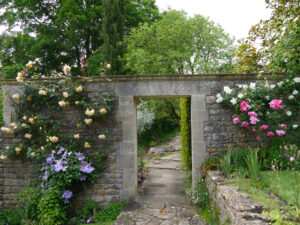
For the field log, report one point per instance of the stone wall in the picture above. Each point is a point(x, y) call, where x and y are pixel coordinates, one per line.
point(212, 129)
point(233, 206)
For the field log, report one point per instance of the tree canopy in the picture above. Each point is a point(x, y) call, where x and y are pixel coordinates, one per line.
point(178, 44)
point(277, 41)
point(63, 31)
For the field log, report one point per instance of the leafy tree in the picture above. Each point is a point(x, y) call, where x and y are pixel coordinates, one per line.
point(67, 31)
point(278, 37)
point(113, 32)
point(177, 44)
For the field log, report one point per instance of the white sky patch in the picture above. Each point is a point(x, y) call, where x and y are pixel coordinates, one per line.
point(235, 16)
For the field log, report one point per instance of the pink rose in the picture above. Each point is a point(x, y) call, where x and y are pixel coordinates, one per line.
point(275, 104)
point(282, 125)
point(253, 120)
point(257, 138)
point(252, 114)
point(253, 129)
point(236, 120)
point(270, 134)
point(264, 127)
point(280, 132)
point(259, 106)
point(245, 124)
point(244, 106)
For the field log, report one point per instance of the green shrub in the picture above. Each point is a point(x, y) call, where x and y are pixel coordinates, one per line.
point(187, 182)
point(109, 213)
point(253, 164)
point(185, 122)
point(1, 107)
point(225, 163)
point(10, 216)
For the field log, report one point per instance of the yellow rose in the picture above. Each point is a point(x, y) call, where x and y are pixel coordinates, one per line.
point(79, 89)
point(76, 136)
point(53, 152)
point(103, 111)
point(23, 125)
point(18, 150)
point(65, 94)
point(16, 97)
point(14, 125)
point(31, 120)
point(90, 112)
point(88, 121)
point(33, 154)
point(87, 145)
point(29, 99)
point(3, 157)
point(53, 139)
point(6, 129)
point(62, 103)
point(30, 64)
point(24, 117)
point(28, 136)
point(108, 66)
point(67, 69)
point(43, 148)
point(101, 136)
point(77, 102)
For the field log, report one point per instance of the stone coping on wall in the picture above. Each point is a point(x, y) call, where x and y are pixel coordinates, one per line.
point(233, 205)
point(182, 77)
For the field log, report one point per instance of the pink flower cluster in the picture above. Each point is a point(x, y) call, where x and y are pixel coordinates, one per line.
point(253, 119)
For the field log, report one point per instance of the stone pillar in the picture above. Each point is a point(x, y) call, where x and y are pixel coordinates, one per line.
point(127, 158)
point(199, 114)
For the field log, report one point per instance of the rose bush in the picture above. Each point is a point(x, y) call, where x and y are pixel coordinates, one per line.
point(64, 165)
point(269, 110)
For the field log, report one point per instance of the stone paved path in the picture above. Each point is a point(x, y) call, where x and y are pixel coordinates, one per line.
point(160, 200)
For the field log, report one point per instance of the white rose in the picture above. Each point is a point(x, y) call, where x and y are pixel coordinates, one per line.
point(108, 66)
point(24, 117)
point(240, 95)
point(267, 97)
point(245, 86)
point(272, 86)
point(291, 97)
point(288, 113)
point(252, 86)
point(233, 101)
point(295, 92)
point(76, 136)
point(279, 84)
point(3, 157)
point(219, 100)
point(67, 69)
point(227, 90)
point(42, 92)
point(65, 94)
point(18, 150)
point(297, 79)
point(295, 126)
point(33, 154)
point(218, 95)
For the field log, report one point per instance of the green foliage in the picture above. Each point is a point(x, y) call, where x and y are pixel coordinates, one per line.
point(1, 106)
point(65, 32)
point(279, 40)
point(253, 164)
point(187, 182)
point(89, 210)
point(208, 216)
point(185, 123)
point(199, 196)
point(51, 208)
point(10, 216)
point(226, 164)
point(177, 44)
point(113, 33)
point(109, 213)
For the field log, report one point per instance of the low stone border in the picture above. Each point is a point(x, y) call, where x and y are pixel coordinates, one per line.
point(233, 206)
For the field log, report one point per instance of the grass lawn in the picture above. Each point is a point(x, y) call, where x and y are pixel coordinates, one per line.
point(278, 192)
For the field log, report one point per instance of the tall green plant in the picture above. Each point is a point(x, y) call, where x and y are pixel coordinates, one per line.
point(226, 164)
point(185, 122)
point(253, 164)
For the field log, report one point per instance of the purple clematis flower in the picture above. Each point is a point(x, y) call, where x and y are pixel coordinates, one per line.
point(50, 159)
point(80, 156)
point(61, 150)
point(82, 177)
point(86, 167)
point(59, 165)
point(67, 195)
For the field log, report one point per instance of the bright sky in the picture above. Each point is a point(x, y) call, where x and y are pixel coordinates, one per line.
point(235, 16)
